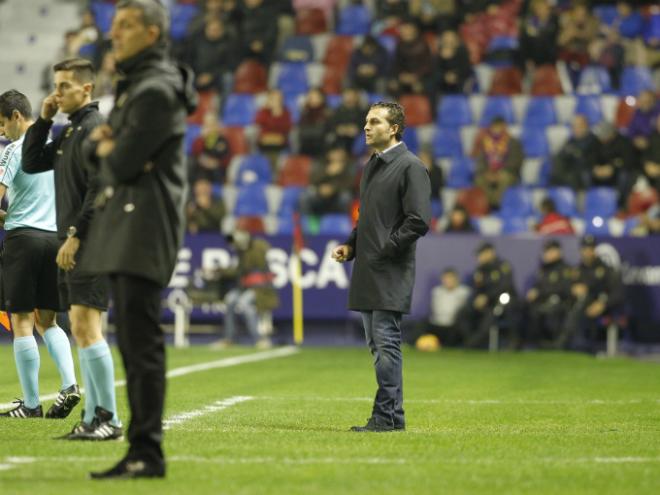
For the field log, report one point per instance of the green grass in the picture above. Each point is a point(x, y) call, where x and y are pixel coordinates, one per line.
point(536, 423)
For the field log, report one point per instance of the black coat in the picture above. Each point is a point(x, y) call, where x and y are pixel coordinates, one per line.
point(395, 211)
point(138, 227)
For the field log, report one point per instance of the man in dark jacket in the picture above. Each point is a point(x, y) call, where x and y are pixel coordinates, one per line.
point(395, 194)
point(138, 226)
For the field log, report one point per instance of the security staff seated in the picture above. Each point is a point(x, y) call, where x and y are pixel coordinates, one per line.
point(549, 298)
point(493, 302)
point(597, 292)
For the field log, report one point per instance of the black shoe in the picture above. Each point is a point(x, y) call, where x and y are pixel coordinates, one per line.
point(131, 468)
point(79, 427)
point(377, 426)
point(20, 411)
point(100, 429)
point(66, 400)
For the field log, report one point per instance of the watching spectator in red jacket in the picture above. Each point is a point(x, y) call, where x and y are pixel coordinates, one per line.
point(552, 222)
point(274, 123)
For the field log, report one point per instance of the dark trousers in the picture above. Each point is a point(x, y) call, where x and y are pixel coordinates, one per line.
point(142, 346)
point(383, 333)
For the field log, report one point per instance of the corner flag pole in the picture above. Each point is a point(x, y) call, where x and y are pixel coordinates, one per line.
point(296, 287)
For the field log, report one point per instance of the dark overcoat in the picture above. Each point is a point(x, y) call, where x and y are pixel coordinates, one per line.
point(395, 211)
point(139, 223)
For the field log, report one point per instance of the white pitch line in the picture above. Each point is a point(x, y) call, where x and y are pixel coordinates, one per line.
point(215, 407)
point(195, 368)
point(476, 402)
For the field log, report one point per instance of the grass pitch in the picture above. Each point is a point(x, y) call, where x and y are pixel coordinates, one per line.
point(534, 423)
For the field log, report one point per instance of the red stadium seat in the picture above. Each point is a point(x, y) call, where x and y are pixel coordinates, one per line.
point(311, 21)
point(474, 200)
point(251, 77)
point(295, 171)
point(417, 108)
point(332, 81)
point(545, 81)
point(624, 112)
point(506, 81)
point(254, 225)
point(338, 52)
point(207, 101)
point(238, 144)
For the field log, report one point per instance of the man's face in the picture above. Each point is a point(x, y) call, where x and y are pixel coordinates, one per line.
point(449, 280)
point(10, 127)
point(588, 254)
point(378, 130)
point(646, 101)
point(130, 35)
point(485, 257)
point(580, 126)
point(71, 94)
point(550, 255)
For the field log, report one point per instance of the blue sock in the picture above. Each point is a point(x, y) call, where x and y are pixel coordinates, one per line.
point(90, 390)
point(59, 348)
point(102, 373)
point(26, 354)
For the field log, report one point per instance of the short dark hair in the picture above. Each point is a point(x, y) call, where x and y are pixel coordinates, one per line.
point(83, 70)
point(14, 100)
point(153, 13)
point(395, 115)
point(450, 271)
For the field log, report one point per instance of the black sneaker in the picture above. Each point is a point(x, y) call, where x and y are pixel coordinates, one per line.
point(79, 427)
point(375, 425)
point(20, 411)
point(66, 400)
point(131, 468)
point(101, 429)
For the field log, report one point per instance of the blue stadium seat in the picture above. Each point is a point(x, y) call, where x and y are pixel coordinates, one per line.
point(636, 79)
point(360, 145)
point(292, 79)
point(251, 201)
point(447, 142)
point(336, 224)
point(192, 132)
point(503, 43)
point(285, 225)
point(516, 202)
point(354, 20)
point(291, 104)
point(594, 80)
point(103, 13)
point(254, 169)
point(289, 201)
point(596, 225)
point(461, 173)
point(297, 49)
point(606, 13)
point(630, 224)
point(514, 225)
point(454, 111)
point(589, 105)
point(544, 173)
point(333, 101)
point(534, 141)
point(564, 198)
point(180, 16)
point(601, 202)
point(411, 139)
point(239, 110)
point(652, 30)
point(497, 106)
point(540, 112)
point(436, 208)
point(388, 42)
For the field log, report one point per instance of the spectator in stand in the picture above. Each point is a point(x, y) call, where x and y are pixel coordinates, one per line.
point(391, 8)
point(104, 85)
point(499, 157)
point(572, 165)
point(578, 30)
point(330, 186)
point(204, 212)
point(413, 63)
point(614, 164)
point(552, 222)
point(312, 123)
point(435, 172)
point(628, 22)
point(258, 31)
point(644, 119)
point(210, 9)
point(538, 36)
point(458, 221)
point(469, 9)
point(452, 66)
point(210, 151)
point(210, 53)
point(346, 122)
point(646, 190)
point(274, 123)
point(608, 51)
point(447, 301)
point(368, 62)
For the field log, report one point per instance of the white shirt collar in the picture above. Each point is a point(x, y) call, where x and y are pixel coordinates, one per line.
point(390, 148)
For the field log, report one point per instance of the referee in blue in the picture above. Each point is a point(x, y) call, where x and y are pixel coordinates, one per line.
point(29, 273)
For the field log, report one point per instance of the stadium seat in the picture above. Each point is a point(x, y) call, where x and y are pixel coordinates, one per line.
point(516, 202)
point(388, 42)
point(253, 169)
point(289, 201)
point(474, 200)
point(285, 225)
point(557, 137)
point(192, 132)
point(180, 17)
point(417, 108)
point(596, 225)
point(292, 79)
point(295, 171)
point(335, 224)
point(206, 100)
point(546, 82)
point(250, 77)
point(652, 30)
point(600, 201)
point(251, 201)
point(497, 106)
point(333, 81)
point(436, 208)
point(103, 13)
point(359, 145)
point(454, 111)
point(594, 80)
point(338, 52)
point(564, 198)
point(506, 81)
point(310, 21)
point(514, 225)
point(605, 13)
point(589, 106)
point(636, 79)
point(625, 112)
point(354, 20)
point(297, 49)
point(238, 144)
point(630, 224)
point(447, 142)
point(540, 112)
point(461, 172)
point(291, 102)
point(252, 224)
point(534, 141)
point(411, 138)
point(239, 110)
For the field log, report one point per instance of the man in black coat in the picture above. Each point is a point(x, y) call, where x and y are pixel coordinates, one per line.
point(395, 211)
point(138, 227)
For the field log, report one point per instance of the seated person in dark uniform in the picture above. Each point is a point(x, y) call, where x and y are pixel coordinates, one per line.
point(597, 292)
point(493, 300)
point(549, 298)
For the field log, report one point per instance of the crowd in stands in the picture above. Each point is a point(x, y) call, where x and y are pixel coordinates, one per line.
point(531, 115)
